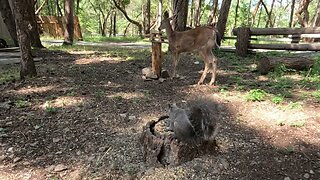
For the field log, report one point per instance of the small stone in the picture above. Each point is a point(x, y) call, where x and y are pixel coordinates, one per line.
point(196, 62)
point(2, 157)
point(50, 168)
point(60, 167)
point(123, 115)
point(26, 163)
point(306, 175)
point(286, 178)
point(78, 153)
point(17, 159)
point(78, 109)
point(132, 118)
point(311, 172)
point(59, 152)
point(150, 171)
point(36, 127)
point(224, 163)
point(10, 149)
point(5, 105)
point(34, 144)
point(55, 140)
point(102, 149)
point(161, 80)
point(165, 74)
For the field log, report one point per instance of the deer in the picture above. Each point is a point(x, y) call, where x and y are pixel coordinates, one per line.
point(202, 39)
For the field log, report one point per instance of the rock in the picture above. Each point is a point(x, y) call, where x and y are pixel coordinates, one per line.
point(150, 171)
point(36, 127)
point(165, 74)
point(132, 118)
point(286, 178)
point(55, 140)
point(161, 80)
point(17, 159)
point(78, 153)
point(196, 62)
point(34, 144)
point(306, 175)
point(2, 157)
point(123, 115)
point(60, 167)
point(5, 105)
point(26, 163)
point(10, 149)
point(147, 72)
point(311, 172)
point(50, 168)
point(224, 163)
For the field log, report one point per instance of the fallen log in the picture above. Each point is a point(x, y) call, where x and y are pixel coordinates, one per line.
point(268, 64)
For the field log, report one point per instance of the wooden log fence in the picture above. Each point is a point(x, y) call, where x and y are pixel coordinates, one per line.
point(244, 38)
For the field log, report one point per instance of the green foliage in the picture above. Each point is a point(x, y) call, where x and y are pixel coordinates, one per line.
point(277, 99)
point(297, 124)
point(9, 75)
point(256, 95)
point(21, 103)
point(294, 105)
point(280, 122)
point(98, 38)
point(316, 95)
point(49, 108)
point(99, 94)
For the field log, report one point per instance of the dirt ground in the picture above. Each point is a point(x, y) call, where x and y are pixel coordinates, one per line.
point(83, 116)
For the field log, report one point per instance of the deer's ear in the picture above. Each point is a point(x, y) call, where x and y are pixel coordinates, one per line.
point(166, 15)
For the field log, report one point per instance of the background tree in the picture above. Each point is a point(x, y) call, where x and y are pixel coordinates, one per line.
point(146, 17)
point(181, 11)
point(8, 19)
point(27, 68)
point(222, 21)
point(69, 30)
point(197, 11)
point(33, 26)
point(213, 12)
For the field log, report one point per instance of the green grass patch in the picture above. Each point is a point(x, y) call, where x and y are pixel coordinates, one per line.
point(297, 124)
point(256, 95)
point(293, 105)
point(9, 75)
point(278, 99)
point(21, 103)
point(99, 38)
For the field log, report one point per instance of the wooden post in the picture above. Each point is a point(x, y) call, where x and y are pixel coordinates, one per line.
point(242, 44)
point(156, 54)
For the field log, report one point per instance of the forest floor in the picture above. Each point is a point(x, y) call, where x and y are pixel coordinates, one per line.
point(82, 118)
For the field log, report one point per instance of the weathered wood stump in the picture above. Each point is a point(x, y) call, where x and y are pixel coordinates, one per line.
point(161, 148)
point(268, 64)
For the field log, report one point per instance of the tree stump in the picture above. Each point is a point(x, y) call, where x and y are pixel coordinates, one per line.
point(161, 148)
point(268, 64)
point(242, 44)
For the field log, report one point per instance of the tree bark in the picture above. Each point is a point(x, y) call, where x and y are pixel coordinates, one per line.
point(191, 13)
point(114, 33)
point(8, 19)
point(213, 12)
point(33, 26)
point(222, 21)
point(181, 11)
point(69, 30)
point(123, 11)
point(146, 17)
point(303, 9)
point(58, 8)
point(27, 68)
point(159, 13)
point(197, 10)
point(236, 15)
point(292, 12)
point(270, 22)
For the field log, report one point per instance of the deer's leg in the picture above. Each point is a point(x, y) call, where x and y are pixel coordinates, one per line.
point(206, 67)
point(175, 63)
point(214, 62)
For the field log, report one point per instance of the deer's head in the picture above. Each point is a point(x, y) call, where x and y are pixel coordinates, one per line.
point(166, 21)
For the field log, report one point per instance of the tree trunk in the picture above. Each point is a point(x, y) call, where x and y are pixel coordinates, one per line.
point(27, 68)
point(292, 12)
point(77, 8)
point(58, 8)
point(146, 17)
point(68, 13)
point(111, 24)
point(181, 10)
point(33, 26)
point(114, 33)
point(236, 15)
point(8, 19)
point(123, 11)
point(270, 22)
point(213, 12)
point(303, 9)
point(267, 64)
point(197, 10)
point(159, 15)
point(222, 21)
point(191, 18)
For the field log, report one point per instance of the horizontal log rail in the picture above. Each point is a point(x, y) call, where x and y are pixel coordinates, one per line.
point(244, 34)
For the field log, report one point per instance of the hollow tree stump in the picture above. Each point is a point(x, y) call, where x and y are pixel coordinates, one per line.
point(268, 64)
point(161, 148)
point(156, 40)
